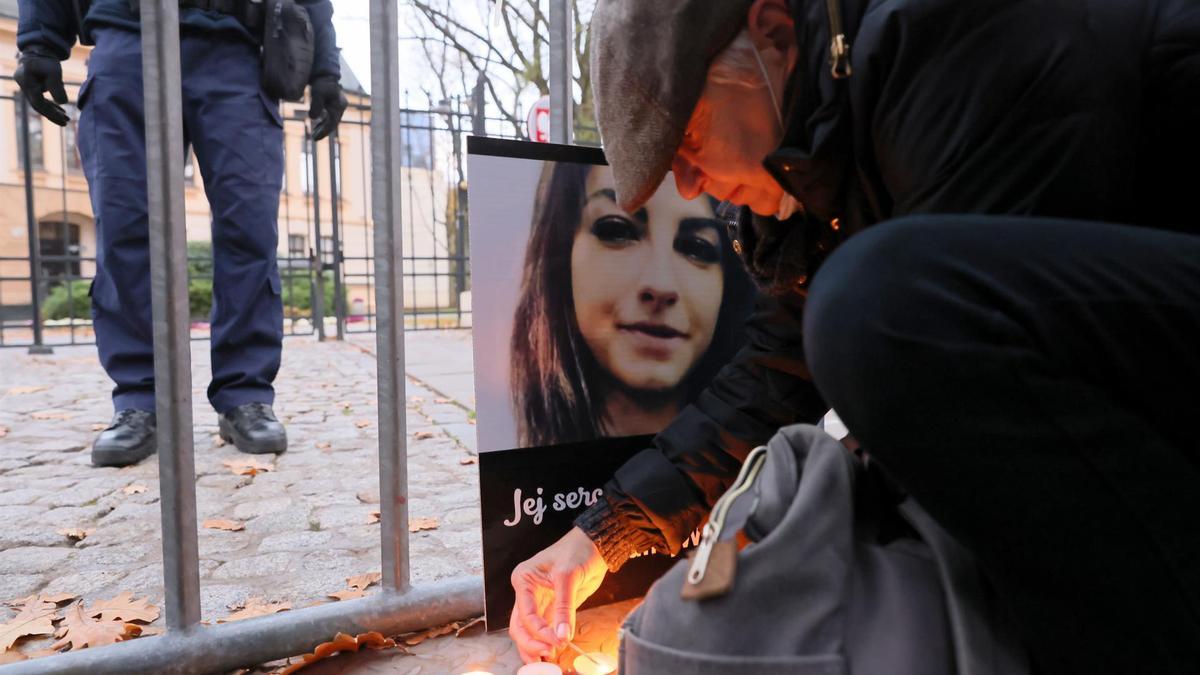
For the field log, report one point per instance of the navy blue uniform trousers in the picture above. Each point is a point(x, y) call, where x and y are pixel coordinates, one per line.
point(237, 134)
point(1035, 384)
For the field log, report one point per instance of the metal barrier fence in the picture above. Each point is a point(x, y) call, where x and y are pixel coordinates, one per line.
point(188, 646)
point(326, 248)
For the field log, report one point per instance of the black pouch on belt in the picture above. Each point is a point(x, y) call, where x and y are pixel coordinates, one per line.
point(287, 49)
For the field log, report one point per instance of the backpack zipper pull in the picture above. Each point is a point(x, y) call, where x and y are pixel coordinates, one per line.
point(716, 522)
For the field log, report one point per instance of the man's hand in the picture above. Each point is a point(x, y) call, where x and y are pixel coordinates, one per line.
point(328, 105)
point(37, 73)
point(549, 587)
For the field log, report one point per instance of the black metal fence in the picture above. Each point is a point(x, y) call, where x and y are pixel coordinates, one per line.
point(326, 250)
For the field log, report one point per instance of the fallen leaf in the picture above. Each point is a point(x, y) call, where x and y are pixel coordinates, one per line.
point(339, 644)
point(44, 415)
point(356, 586)
point(422, 435)
point(324, 445)
point(76, 533)
point(3, 431)
point(256, 607)
point(468, 625)
point(418, 524)
point(345, 404)
point(222, 524)
point(466, 460)
point(17, 391)
point(418, 638)
point(443, 400)
point(471, 422)
point(217, 441)
point(151, 631)
point(363, 581)
point(58, 598)
point(247, 466)
point(36, 617)
point(11, 657)
point(99, 426)
point(124, 607)
point(79, 631)
point(134, 489)
point(362, 424)
point(367, 497)
point(417, 399)
point(372, 517)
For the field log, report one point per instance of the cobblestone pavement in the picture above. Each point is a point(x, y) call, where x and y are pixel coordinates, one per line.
point(306, 520)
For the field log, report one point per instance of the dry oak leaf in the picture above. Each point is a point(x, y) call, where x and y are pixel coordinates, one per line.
point(422, 435)
point(134, 489)
point(372, 517)
point(362, 424)
point(11, 657)
point(17, 391)
point(217, 441)
point(56, 598)
point(99, 426)
point(76, 533)
point(3, 431)
point(79, 631)
point(249, 466)
point(47, 415)
point(418, 524)
point(339, 644)
point(324, 445)
point(35, 618)
point(124, 607)
point(465, 461)
point(222, 524)
point(256, 607)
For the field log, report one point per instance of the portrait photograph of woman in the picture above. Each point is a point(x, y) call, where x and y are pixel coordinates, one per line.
point(613, 321)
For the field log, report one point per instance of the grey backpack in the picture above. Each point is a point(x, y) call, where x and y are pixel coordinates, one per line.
point(837, 579)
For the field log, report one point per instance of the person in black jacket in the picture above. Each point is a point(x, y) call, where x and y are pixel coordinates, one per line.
point(237, 133)
point(1028, 378)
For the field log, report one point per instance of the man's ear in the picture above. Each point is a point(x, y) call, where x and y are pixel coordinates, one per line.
point(771, 26)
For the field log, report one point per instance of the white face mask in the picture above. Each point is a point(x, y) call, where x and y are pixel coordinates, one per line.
point(788, 205)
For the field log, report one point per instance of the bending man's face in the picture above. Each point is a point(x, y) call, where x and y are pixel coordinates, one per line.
point(648, 286)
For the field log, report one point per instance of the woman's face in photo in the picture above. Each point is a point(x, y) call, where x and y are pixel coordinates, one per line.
point(647, 286)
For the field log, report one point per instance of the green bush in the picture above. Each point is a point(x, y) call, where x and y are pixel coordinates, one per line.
point(200, 298)
point(297, 295)
point(67, 300)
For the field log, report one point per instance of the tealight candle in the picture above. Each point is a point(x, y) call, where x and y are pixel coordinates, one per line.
point(594, 663)
point(540, 669)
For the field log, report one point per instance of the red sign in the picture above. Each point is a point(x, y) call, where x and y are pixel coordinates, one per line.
point(538, 122)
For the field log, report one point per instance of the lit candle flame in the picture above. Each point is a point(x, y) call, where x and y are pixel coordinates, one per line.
point(594, 663)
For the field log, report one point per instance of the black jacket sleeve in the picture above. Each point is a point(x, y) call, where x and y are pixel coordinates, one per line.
point(660, 496)
point(326, 59)
point(47, 24)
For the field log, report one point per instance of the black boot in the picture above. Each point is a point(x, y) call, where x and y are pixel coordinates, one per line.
point(128, 440)
point(253, 429)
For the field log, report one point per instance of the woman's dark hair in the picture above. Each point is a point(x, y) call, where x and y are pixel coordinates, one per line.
point(558, 388)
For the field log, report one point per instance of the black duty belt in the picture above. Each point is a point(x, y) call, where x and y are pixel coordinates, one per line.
point(248, 12)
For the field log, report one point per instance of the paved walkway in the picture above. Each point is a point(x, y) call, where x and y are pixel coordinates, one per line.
point(306, 520)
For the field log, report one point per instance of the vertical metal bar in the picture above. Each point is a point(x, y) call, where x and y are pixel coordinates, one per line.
point(35, 252)
point(561, 99)
point(318, 293)
point(169, 301)
point(339, 295)
point(389, 291)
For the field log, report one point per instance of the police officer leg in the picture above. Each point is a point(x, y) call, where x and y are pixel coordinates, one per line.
point(238, 138)
point(112, 145)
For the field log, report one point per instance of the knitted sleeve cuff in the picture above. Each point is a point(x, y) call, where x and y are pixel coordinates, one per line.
point(612, 534)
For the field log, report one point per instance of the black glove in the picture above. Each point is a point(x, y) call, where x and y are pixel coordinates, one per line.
point(39, 72)
point(328, 105)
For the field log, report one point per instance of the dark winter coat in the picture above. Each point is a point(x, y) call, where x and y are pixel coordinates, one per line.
point(52, 25)
point(1086, 109)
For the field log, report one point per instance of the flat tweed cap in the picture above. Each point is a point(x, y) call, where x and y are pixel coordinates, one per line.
point(650, 60)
